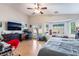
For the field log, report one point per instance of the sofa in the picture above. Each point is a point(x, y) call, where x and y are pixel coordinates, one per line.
point(11, 38)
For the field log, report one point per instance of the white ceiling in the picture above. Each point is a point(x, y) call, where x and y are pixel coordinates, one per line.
point(62, 8)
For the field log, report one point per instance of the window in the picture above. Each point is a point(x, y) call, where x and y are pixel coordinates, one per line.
point(58, 28)
point(73, 27)
point(47, 27)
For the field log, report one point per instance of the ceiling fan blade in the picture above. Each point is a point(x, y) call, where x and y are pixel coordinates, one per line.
point(29, 8)
point(44, 8)
point(41, 12)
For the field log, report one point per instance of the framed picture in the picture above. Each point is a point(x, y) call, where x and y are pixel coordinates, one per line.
point(26, 25)
point(30, 26)
point(0, 24)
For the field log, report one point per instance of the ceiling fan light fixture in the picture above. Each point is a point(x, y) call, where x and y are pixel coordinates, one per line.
point(35, 6)
point(37, 11)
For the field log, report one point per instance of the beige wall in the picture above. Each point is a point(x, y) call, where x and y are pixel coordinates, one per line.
point(7, 13)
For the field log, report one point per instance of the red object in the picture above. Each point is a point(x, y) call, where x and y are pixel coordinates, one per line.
point(14, 43)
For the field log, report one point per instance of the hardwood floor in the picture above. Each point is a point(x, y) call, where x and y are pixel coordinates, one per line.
point(29, 47)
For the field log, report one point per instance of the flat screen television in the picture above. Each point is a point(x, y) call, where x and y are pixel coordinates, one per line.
point(13, 26)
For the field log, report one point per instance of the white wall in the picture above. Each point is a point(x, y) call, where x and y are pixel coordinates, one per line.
point(7, 13)
point(51, 18)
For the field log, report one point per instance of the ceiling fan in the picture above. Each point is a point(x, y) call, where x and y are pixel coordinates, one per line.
point(37, 8)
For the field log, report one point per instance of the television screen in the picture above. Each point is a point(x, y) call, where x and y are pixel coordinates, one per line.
point(14, 26)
